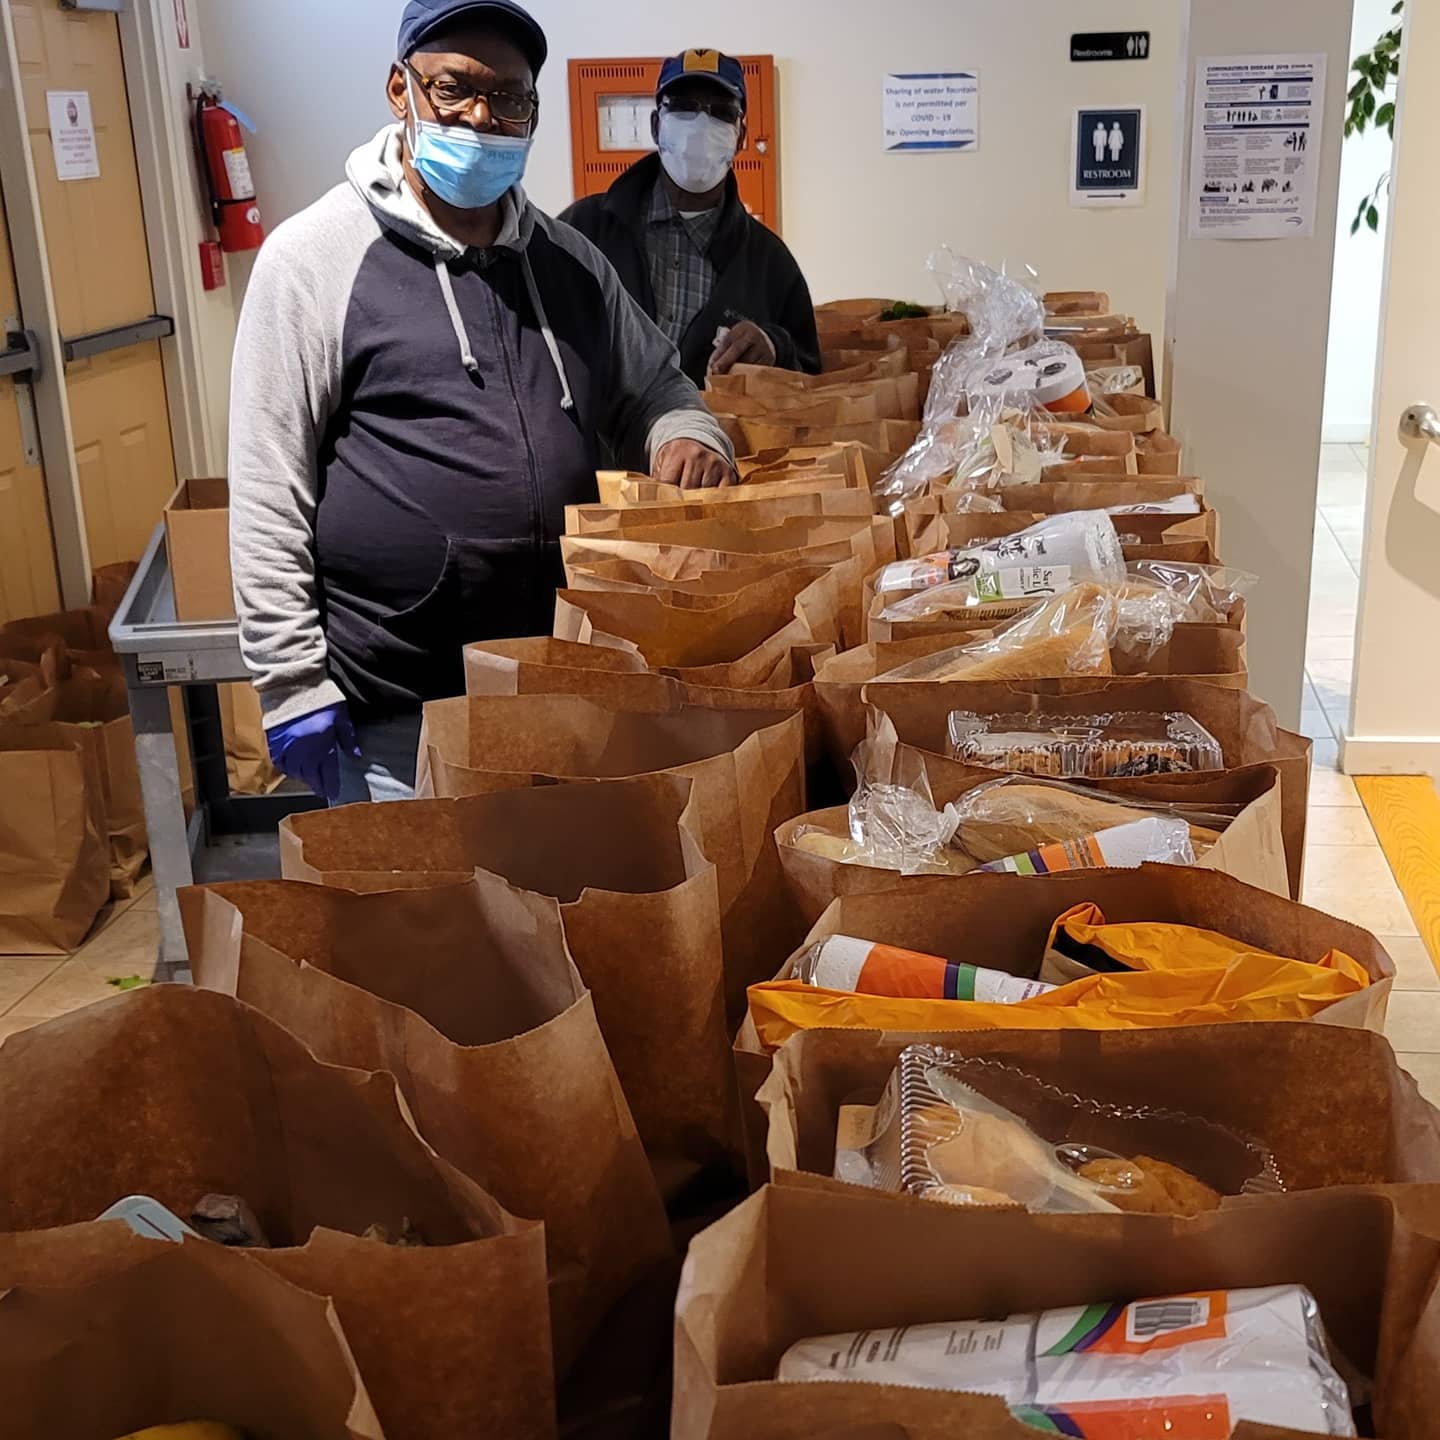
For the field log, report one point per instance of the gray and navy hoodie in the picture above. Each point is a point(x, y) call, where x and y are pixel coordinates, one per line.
point(409, 420)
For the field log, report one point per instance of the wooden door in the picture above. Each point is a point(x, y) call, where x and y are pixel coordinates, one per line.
point(100, 272)
point(606, 142)
point(28, 582)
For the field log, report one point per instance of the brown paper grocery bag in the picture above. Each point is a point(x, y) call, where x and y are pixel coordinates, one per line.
point(741, 507)
point(861, 464)
point(621, 490)
point(105, 1333)
point(540, 666)
point(1246, 728)
point(743, 639)
point(247, 752)
point(766, 1277)
point(177, 1093)
point(641, 912)
point(93, 709)
point(684, 548)
point(890, 437)
point(468, 995)
point(747, 766)
point(1252, 847)
point(1331, 1106)
point(54, 858)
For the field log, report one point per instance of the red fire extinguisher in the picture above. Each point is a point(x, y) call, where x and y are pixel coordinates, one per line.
point(227, 170)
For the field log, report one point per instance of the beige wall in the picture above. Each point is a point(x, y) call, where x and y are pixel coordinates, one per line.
point(1395, 722)
point(861, 222)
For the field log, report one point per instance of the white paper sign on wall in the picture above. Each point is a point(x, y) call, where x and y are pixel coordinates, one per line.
point(72, 135)
point(932, 111)
point(1255, 161)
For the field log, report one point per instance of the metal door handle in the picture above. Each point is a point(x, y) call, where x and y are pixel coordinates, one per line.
point(81, 347)
point(1420, 422)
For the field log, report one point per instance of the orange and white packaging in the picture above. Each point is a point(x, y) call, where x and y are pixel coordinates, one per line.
point(1187, 1365)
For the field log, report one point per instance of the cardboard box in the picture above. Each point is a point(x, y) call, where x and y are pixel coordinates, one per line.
point(197, 537)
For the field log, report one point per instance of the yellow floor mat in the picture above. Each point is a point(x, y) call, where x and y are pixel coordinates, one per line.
point(1405, 811)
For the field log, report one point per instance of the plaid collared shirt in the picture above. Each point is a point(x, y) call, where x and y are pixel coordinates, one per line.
point(681, 273)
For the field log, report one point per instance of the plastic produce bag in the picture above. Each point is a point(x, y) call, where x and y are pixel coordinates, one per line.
point(1057, 553)
point(1188, 1365)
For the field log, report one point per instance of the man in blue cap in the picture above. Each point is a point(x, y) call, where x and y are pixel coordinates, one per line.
point(427, 372)
point(725, 289)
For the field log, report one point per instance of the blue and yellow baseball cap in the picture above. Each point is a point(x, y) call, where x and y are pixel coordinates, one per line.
point(723, 70)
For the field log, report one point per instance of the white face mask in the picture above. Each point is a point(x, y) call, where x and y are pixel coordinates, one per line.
point(697, 150)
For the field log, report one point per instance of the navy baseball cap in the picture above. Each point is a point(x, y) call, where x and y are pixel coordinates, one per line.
point(422, 18)
point(724, 71)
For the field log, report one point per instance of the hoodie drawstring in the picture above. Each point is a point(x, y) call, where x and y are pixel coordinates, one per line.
point(457, 321)
point(467, 353)
point(567, 398)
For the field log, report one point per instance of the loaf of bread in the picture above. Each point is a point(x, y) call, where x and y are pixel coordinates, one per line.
point(1003, 820)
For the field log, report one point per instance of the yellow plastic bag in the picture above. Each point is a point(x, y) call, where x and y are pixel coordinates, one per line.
point(1181, 976)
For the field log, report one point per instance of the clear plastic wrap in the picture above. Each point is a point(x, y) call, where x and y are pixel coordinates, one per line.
point(1212, 594)
point(1044, 559)
point(1003, 313)
point(1190, 1366)
point(1175, 505)
point(1069, 634)
point(1019, 814)
point(1093, 747)
point(1116, 379)
point(962, 451)
point(949, 1123)
point(894, 824)
point(1079, 631)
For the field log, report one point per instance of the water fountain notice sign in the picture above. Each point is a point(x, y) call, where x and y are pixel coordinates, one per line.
point(932, 112)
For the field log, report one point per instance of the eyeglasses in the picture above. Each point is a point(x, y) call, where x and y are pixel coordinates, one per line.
point(722, 107)
point(453, 99)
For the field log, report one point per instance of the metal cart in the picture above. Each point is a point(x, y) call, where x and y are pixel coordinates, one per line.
point(157, 652)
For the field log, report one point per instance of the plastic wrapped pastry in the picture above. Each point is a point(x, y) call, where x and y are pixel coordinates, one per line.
point(1124, 743)
point(949, 1124)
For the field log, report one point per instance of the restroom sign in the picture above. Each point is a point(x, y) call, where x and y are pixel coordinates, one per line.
point(1108, 152)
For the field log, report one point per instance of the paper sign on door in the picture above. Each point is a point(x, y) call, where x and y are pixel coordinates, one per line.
point(72, 134)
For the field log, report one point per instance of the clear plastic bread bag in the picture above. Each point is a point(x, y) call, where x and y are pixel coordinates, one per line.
point(1068, 634)
point(1059, 552)
point(894, 823)
point(1211, 594)
point(977, 1131)
point(1018, 814)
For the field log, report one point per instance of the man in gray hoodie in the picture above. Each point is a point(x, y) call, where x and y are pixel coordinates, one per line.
point(427, 371)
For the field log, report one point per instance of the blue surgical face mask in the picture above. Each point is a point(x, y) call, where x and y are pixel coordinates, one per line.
point(464, 168)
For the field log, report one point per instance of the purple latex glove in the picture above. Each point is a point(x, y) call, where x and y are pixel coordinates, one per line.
point(308, 749)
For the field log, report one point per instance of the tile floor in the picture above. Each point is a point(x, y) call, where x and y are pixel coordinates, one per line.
point(1347, 874)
